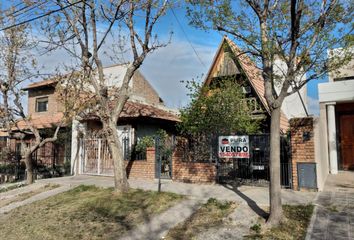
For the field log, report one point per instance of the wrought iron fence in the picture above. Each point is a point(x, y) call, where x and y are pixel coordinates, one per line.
point(253, 170)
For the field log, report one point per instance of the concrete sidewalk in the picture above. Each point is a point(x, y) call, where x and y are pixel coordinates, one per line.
point(11, 194)
point(334, 212)
point(243, 195)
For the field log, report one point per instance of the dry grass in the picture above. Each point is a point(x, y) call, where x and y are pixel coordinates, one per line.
point(85, 212)
point(293, 227)
point(26, 195)
point(211, 214)
point(12, 187)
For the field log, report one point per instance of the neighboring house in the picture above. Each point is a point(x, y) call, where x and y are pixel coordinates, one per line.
point(45, 113)
point(325, 145)
point(336, 99)
point(143, 115)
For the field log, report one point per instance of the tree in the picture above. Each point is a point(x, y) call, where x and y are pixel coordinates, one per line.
point(86, 25)
point(296, 32)
point(220, 109)
point(217, 110)
point(18, 66)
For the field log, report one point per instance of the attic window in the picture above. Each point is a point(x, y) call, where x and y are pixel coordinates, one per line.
point(42, 104)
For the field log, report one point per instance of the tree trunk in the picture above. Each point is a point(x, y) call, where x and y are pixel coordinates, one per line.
point(120, 177)
point(29, 167)
point(276, 210)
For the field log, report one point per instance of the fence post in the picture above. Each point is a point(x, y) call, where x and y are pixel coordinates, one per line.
point(99, 157)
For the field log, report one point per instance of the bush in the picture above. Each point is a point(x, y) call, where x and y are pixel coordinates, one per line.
point(144, 143)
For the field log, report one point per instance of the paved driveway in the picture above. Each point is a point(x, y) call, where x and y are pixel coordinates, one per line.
point(334, 213)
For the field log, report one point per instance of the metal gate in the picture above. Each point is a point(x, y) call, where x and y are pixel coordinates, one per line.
point(255, 170)
point(163, 157)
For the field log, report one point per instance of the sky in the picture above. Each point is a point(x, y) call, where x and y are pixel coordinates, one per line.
point(187, 57)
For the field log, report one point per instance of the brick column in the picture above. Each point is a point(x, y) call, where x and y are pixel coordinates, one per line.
point(302, 144)
point(142, 169)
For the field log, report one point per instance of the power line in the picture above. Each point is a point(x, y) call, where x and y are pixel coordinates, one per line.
point(38, 17)
point(185, 34)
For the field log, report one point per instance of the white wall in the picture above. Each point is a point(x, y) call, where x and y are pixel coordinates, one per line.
point(340, 91)
point(321, 147)
point(292, 105)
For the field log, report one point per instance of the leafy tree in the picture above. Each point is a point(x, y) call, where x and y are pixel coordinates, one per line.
point(298, 33)
point(214, 111)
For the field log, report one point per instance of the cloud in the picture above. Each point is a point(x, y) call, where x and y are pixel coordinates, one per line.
point(313, 106)
point(167, 67)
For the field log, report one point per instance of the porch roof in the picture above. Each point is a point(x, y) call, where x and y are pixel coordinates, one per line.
point(137, 109)
point(41, 122)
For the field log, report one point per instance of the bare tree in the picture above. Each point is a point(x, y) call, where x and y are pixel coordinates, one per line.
point(18, 67)
point(79, 26)
point(297, 32)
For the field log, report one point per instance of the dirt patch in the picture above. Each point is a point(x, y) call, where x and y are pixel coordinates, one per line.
point(297, 219)
point(210, 214)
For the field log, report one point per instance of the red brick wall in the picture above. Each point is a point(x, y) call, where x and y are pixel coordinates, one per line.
point(192, 172)
point(302, 151)
point(181, 171)
point(142, 169)
point(53, 105)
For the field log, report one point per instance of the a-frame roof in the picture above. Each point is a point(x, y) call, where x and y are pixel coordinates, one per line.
point(252, 72)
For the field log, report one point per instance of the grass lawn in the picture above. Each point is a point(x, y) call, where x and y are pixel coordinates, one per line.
point(294, 227)
point(209, 214)
point(85, 212)
point(23, 196)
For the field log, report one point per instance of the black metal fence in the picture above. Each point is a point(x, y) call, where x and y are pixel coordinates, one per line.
point(255, 169)
point(129, 151)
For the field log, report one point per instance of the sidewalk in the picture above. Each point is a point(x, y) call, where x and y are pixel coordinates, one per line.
point(334, 213)
point(243, 195)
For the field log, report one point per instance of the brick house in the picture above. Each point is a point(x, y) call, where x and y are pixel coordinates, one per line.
point(143, 115)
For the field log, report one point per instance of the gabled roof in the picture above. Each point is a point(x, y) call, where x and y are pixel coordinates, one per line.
point(44, 83)
point(252, 72)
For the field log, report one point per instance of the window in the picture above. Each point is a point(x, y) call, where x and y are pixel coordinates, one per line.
point(42, 104)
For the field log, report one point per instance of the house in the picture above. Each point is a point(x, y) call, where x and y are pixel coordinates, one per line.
point(231, 63)
point(325, 145)
point(143, 115)
point(45, 113)
point(336, 99)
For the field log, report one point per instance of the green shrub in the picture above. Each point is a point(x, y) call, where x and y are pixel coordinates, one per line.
point(144, 143)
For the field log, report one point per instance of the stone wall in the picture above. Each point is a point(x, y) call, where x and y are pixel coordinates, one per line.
point(302, 144)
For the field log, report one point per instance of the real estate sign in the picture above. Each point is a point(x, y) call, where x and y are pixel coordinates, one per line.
point(234, 146)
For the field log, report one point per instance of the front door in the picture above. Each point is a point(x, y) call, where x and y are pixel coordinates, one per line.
point(347, 141)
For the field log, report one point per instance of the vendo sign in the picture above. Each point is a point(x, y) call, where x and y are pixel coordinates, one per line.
point(234, 146)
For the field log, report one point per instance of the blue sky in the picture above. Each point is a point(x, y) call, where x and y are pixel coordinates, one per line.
point(205, 44)
point(167, 67)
